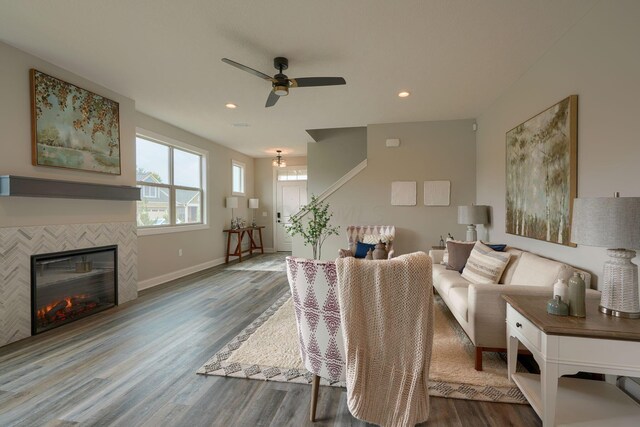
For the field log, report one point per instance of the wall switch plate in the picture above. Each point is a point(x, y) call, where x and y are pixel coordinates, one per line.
point(393, 142)
point(264, 213)
point(179, 252)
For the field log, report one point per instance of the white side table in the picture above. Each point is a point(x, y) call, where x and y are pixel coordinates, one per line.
point(566, 345)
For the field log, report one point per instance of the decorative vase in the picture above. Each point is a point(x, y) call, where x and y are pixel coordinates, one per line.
point(560, 288)
point(557, 307)
point(369, 254)
point(577, 292)
point(380, 252)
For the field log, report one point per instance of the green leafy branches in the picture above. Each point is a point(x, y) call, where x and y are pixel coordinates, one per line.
point(316, 229)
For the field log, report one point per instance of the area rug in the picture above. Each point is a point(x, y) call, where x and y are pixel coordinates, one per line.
point(268, 350)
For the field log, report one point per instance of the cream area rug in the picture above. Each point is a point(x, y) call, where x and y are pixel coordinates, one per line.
point(268, 350)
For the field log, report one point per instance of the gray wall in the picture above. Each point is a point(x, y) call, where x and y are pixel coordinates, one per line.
point(597, 60)
point(15, 150)
point(335, 152)
point(443, 150)
point(158, 254)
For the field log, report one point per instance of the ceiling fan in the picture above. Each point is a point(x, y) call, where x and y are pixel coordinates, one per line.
point(281, 83)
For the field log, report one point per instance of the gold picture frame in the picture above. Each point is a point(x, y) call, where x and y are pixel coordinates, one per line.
point(73, 128)
point(541, 174)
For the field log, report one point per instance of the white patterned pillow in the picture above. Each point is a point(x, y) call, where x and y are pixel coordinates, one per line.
point(372, 239)
point(485, 265)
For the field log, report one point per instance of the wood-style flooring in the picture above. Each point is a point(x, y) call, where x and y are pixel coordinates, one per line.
point(135, 365)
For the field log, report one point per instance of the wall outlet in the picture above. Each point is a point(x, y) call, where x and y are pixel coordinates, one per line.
point(179, 252)
point(264, 213)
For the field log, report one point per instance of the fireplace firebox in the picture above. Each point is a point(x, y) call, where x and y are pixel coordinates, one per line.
point(70, 285)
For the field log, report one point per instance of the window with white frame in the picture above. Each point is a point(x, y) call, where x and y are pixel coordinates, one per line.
point(171, 176)
point(237, 178)
point(292, 174)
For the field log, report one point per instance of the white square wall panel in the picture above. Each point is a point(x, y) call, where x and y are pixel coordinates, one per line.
point(403, 193)
point(437, 193)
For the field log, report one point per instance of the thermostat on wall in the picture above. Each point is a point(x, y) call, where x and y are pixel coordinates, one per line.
point(393, 142)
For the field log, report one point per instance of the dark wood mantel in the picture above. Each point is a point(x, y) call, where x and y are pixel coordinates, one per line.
point(23, 186)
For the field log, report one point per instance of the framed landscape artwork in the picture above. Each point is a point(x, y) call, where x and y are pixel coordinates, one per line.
point(541, 174)
point(72, 127)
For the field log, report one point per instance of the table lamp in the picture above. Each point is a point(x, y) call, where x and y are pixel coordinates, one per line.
point(613, 223)
point(472, 215)
point(253, 204)
point(232, 202)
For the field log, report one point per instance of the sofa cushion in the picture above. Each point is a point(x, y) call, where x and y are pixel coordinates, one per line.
point(449, 279)
point(458, 254)
point(437, 270)
point(507, 275)
point(458, 298)
point(485, 265)
point(534, 270)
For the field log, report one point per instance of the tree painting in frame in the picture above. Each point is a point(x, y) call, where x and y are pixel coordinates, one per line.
point(541, 174)
point(72, 127)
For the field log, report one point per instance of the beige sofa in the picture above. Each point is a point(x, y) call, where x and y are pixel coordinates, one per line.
point(480, 309)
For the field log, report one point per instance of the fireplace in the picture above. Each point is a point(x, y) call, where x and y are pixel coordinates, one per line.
point(70, 285)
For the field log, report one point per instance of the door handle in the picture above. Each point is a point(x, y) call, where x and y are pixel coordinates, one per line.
point(278, 215)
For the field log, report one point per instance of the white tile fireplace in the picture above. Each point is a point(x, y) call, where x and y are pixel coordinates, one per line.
point(18, 244)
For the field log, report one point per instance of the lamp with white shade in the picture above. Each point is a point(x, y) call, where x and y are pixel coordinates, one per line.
point(613, 223)
point(253, 204)
point(232, 202)
point(472, 215)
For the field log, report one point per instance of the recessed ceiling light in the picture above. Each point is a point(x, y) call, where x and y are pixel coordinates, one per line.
point(403, 94)
point(231, 106)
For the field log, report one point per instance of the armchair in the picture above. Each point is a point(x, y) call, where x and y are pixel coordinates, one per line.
point(357, 233)
point(315, 298)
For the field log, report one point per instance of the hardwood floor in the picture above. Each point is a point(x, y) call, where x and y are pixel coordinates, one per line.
point(135, 365)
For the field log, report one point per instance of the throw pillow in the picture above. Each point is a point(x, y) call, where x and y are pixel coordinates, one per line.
point(376, 238)
point(485, 265)
point(500, 247)
point(362, 249)
point(458, 254)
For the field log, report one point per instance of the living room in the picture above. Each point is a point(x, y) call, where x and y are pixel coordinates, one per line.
point(177, 302)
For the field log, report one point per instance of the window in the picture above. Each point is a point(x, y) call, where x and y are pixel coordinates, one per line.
point(171, 176)
point(292, 174)
point(237, 178)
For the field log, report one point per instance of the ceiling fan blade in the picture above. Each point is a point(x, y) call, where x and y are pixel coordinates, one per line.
point(272, 99)
point(247, 69)
point(317, 81)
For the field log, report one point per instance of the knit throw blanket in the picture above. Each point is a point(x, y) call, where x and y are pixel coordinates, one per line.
point(386, 308)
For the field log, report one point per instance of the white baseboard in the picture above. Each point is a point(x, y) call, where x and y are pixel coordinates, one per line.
point(155, 281)
point(269, 250)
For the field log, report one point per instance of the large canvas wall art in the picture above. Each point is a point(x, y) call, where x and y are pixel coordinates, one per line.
point(72, 127)
point(541, 174)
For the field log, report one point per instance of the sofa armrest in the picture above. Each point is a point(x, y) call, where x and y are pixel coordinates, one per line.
point(344, 253)
point(487, 310)
point(436, 255)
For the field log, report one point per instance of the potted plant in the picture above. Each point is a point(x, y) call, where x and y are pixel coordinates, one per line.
point(316, 229)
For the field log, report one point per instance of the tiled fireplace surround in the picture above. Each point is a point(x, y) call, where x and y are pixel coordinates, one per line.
point(17, 244)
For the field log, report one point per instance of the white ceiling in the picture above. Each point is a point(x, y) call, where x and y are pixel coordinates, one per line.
point(454, 56)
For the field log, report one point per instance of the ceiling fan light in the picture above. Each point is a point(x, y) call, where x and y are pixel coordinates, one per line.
point(281, 90)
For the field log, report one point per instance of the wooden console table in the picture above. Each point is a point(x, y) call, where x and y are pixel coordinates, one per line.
point(241, 232)
point(567, 345)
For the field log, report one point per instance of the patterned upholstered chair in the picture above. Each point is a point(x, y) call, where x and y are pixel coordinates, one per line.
point(356, 233)
point(315, 298)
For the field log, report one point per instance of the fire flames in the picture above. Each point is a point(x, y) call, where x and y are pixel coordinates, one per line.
point(66, 308)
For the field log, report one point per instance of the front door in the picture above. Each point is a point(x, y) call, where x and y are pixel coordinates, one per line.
point(290, 196)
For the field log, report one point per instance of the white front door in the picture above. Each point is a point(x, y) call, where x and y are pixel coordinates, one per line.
point(290, 196)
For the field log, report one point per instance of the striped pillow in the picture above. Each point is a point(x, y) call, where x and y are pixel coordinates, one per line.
point(485, 265)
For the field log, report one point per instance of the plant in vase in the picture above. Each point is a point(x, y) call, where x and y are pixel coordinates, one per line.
point(316, 229)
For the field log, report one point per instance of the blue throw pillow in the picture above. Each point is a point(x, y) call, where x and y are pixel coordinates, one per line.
point(496, 247)
point(362, 249)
